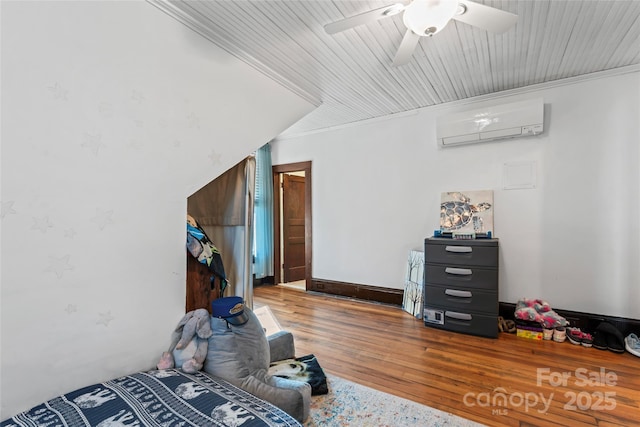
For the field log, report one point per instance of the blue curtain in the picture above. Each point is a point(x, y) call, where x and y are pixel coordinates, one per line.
point(263, 215)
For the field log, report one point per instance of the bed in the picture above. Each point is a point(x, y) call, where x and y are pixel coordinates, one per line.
point(168, 398)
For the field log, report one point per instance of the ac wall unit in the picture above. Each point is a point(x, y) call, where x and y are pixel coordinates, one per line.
point(524, 118)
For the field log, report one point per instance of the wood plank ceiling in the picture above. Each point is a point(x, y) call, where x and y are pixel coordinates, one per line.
point(350, 76)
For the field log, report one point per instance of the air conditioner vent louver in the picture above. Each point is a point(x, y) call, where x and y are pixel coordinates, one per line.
point(516, 119)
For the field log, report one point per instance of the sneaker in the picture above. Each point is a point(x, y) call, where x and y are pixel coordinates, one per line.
point(587, 340)
point(574, 335)
point(609, 334)
point(632, 344)
point(559, 334)
point(600, 340)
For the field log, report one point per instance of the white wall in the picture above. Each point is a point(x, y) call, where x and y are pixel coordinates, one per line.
point(573, 240)
point(112, 114)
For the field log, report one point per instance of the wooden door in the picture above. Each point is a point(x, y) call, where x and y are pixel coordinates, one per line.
point(293, 231)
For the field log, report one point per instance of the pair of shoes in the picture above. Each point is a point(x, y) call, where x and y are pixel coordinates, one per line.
point(608, 337)
point(574, 335)
point(632, 344)
point(577, 337)
point(508, 325)
point(559, 334)
point(600, 340)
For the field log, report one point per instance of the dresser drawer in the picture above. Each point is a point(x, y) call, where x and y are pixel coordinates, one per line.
point(455, 276)
point(463, 321)
point(456, 252)
point(462, 298)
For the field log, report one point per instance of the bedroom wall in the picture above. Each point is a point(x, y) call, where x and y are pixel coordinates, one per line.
point(112, 114)
point(572, 240)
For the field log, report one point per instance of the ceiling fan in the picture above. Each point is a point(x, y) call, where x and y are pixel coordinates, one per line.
point(424, 18)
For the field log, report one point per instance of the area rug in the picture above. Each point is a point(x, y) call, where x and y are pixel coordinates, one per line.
point(350, 404)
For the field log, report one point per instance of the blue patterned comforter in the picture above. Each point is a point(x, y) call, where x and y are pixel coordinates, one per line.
point(168, 398)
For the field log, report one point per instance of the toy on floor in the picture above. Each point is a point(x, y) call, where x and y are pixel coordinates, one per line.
point(539, 311)
point(189, 343)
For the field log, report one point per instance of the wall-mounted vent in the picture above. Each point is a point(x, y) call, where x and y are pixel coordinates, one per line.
point(524, 118)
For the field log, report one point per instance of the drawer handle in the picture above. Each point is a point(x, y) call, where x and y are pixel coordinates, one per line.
point(458, 271)
point(459, 316)
point(457, 293)
point(459, 249)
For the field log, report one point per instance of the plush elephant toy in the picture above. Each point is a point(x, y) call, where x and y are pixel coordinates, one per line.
point(239, 353)
point(189, 343)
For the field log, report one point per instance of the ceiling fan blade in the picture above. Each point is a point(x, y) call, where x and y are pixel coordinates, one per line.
point(486, 17)
point(406, 48)
point(364, 18)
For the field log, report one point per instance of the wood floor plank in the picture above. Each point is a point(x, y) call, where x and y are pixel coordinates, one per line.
point(387, 349)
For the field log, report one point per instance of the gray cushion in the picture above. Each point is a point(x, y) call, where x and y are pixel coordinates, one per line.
point(281, 346)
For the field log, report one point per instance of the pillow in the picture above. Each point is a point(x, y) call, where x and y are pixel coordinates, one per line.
point(240, 355)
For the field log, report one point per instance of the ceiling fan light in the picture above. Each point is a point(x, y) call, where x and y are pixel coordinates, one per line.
point(427, 17)
point(430, 31)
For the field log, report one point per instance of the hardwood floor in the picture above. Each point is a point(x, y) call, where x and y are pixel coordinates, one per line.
point(486, 380)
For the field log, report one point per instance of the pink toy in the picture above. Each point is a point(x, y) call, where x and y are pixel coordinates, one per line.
point(539, 311)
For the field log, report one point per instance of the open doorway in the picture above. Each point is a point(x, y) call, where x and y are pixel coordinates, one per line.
point(292, 224)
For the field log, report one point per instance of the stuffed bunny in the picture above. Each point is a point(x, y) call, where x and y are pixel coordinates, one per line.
point(189, 343)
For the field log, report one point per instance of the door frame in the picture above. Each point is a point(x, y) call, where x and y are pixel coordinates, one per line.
point(277, 170)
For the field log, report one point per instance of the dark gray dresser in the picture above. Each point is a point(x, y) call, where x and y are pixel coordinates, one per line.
point(461, 285)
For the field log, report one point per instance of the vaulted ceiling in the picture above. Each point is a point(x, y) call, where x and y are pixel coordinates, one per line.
point(350, 74)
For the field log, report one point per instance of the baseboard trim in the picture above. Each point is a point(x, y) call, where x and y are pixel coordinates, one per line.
point(268, 280)
point(585, 321)
point(354, 290)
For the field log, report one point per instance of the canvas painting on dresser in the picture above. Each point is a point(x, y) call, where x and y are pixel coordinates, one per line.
point(467, 211)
